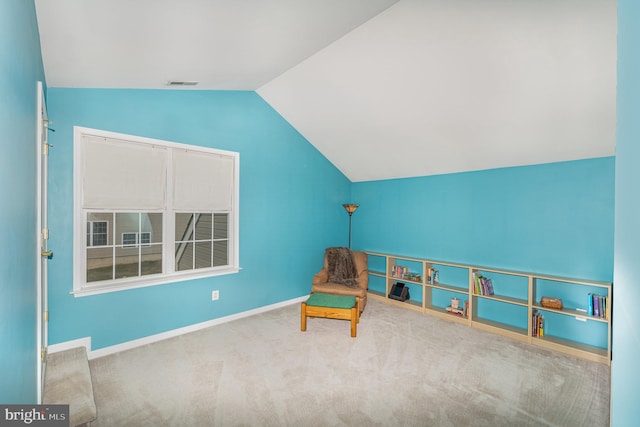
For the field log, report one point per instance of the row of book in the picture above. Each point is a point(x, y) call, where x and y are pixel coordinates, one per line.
point(434, 276)
point(482, 285)
point(537, 324)
point(597, 305)
point(401, 272)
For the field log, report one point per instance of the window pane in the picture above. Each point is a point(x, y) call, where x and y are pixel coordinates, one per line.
point(151, 260)
point(220, 253)
point(184, 227)
point(126, 225)
point(129, 239)
point(203, 226)
point(99, 264)
point(127, 262)
point(145, 238)
point(203, 254)
point(184, 256)
point(99, 225)
point(151, 223)
point(220, 226)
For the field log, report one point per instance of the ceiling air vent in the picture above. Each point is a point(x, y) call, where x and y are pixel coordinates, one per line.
point(181, 83)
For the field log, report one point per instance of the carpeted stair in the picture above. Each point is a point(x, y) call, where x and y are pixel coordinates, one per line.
point(68, 381)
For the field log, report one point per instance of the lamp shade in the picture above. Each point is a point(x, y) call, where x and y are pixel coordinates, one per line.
point(350, 207)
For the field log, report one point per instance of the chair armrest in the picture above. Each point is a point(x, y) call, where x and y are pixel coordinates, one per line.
point(363, 279)
point(321, 277)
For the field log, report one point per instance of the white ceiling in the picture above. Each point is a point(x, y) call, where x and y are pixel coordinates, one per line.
point(383, 88)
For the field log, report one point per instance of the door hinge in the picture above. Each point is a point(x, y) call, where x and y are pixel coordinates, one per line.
point(46, 316)
point(45, 234)
point(43, 353)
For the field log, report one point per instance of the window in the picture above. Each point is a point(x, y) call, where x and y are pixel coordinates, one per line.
point(134, 238)
point(152, 211)
point(201, 240)
point(97, 232)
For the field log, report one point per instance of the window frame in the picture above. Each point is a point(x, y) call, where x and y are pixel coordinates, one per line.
point(169, 275)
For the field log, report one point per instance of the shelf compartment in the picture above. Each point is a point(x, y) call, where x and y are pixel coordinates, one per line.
point(564, 329)
point(449, 275)
point(493, 312)
point(571, 313)
point(377, 264)
point(441, 312)
point(405, 269)
point(439, 298)
point(415, 290)
point(508, 287)
point(377, 284)
point(574, 294)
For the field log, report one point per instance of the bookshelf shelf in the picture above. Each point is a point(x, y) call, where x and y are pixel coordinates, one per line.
point(448, 288)
point(572, 313)
point(504, 298)
point(504, 302)
point(498, 327)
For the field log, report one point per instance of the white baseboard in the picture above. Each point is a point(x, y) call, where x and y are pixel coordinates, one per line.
point(86, 342)
point(68, 345)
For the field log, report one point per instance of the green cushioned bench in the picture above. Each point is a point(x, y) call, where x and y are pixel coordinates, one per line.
point(332, 307)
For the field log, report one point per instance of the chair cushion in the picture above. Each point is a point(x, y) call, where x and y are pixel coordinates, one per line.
point(329, 300)
point(338, 289)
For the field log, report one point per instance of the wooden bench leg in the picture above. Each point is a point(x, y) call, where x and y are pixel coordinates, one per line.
point(303, 317)
point(354, 321)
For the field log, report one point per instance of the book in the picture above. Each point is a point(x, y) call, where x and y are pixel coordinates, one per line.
point(537, 324)
point(489, 285)
point(458, 311)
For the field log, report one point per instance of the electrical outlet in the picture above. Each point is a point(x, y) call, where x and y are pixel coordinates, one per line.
point(215, 295)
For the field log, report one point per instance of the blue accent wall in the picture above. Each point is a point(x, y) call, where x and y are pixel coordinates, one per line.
point(555, 218)
point(625, 375)
point(20, 69)
point(290, 209)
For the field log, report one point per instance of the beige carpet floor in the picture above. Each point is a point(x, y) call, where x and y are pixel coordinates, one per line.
point(403, 369)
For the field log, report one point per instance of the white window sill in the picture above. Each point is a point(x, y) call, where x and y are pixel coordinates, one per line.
point(142, 282)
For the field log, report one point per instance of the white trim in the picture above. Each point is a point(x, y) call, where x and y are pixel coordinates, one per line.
point(68, 345)
point(80, 285)
point(159, 279)
point(106, 351)
point(40, 334)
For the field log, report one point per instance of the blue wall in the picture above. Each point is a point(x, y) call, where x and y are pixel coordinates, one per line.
point(625, 375)
point(20, 69)
point(554, 218)
point(290, 209)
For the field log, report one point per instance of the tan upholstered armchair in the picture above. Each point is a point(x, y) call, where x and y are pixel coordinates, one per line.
point(356, 287)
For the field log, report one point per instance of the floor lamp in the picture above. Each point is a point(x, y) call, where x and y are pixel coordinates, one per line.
point(350, 208)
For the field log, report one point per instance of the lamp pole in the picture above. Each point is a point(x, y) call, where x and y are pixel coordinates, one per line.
point(350, 208)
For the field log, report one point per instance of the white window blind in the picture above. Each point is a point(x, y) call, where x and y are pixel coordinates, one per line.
point(202, 181)
point(120, 175)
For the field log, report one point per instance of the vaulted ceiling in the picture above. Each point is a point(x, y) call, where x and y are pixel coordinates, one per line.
point(383, 88)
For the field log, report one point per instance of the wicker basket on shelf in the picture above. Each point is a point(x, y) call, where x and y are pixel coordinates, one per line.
point(551, 302)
